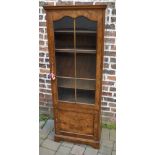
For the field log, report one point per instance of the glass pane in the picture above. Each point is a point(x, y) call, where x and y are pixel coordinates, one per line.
point(86, 91)
point(85, 33)
point(86, 96)
point(85, 60)
point(65, 65)
point(66, 89)
point(86, 65)
point(65, 59)
point(64, 33)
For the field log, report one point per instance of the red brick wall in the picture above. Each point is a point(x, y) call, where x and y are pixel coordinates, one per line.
point(109, 70)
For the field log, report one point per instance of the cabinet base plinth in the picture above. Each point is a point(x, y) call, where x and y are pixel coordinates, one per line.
point(94, 144)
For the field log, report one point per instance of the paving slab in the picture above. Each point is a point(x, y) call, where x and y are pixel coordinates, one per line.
point(63, 150)
point(43, 134)
point(113, 135)
point(41, 123)
point(40, 141)
point(50, 144)
point(67, 144)
point(77, 150)
point(90, 151)
point(113, 152)
point(49, 125)
point(107, 143)
point(44, 151)
point(105, 150)
point(114, 147)
point(46, 129)
point(105, 134)
point(51, 135)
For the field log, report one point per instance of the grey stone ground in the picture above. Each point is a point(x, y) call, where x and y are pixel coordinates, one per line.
point(49, 147)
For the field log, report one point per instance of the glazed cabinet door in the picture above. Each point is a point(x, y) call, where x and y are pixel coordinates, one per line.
point(75, 39)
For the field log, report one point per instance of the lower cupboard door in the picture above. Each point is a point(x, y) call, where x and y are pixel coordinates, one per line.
point(77, 124)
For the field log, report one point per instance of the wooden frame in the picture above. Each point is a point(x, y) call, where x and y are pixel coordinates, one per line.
point(77, 122)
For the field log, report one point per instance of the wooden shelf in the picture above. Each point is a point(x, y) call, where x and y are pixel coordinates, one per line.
point(83, 96)
point(76, 83)
point(72, 50)
point(67, 77)
point(77, 31)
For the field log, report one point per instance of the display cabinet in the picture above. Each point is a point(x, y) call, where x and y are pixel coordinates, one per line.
point(76, 48)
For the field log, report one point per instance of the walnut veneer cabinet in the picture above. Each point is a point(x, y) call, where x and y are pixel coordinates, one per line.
point(76, 47)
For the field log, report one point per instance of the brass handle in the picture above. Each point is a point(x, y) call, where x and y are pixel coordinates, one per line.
point(52, 75)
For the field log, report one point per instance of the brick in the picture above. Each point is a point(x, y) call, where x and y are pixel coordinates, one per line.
point(108, 53)
point(41, 30)
point(90, 151)
point(45, 91)
point(41, 80)
point(109, 99)
point(41, 95)
point(105, 108)
point(113, 109)
point(110, 26)
point(105, 88)
point(41, 42)
point(104, 103)
point(41, 54)
point(83, 3)
point(40, 36)
point(41, 60)
point(114, 12)
point(60, 3)
point(112, 105)
point(109, 83)
point(109, 40)
point(42, 75)
point(110, 33)
point(43, 49)
point(50, 3)
point(112, 89)
point(106, 65)
point(42, 65)
point(107, 94)
point(113, 78)
point(113, 66)
point(40, 17)
point(113, 60)
point(113, 19)
point(106, 59)
point(41, 3)
point(42, 86)
point(42, 23)
point(113, 47)
point(111, 72)
point(44, 70)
